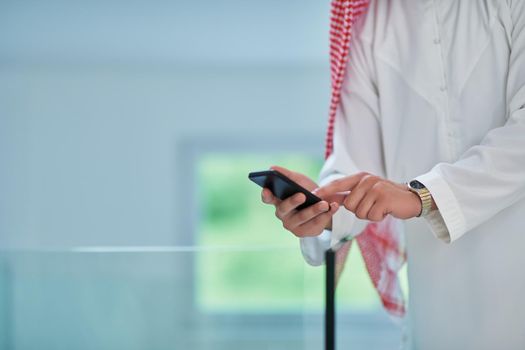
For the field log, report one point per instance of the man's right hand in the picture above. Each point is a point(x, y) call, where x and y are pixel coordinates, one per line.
point(310, 221)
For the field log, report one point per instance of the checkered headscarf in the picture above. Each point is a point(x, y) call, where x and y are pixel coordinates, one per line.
point(381, 243)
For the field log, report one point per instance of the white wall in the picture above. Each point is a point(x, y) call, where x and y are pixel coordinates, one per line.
point(102, 106)
point(98, 97)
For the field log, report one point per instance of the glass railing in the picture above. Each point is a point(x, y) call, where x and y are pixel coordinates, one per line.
point(163, 298)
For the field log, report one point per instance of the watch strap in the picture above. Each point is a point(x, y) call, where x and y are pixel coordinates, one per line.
point(424, 195)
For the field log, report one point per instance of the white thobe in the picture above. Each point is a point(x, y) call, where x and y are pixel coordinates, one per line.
point(435, 91)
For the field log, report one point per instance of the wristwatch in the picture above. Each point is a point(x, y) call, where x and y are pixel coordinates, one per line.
point(424, 194)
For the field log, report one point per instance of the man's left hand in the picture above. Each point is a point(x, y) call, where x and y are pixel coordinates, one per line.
point(372, 197)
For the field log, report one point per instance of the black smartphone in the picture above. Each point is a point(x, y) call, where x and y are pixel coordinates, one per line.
point(282, 187)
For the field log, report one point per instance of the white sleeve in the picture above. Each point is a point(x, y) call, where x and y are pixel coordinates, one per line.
point(357, 144)
point(488, 177)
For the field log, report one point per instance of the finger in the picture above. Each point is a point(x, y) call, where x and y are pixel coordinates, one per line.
point(307, 214)
point(268, 197)
point(315, 226)
point(338, 198)
point(377, 212)
point(334, 206)
point(344, 184)
point(363, 208)
point(358, 193)
point(286, 206)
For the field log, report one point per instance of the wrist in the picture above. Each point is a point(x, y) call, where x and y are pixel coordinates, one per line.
point(424, 196)
point(329, 225)
point(417, 204)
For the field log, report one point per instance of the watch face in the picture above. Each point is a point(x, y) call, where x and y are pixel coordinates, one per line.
point(416, 185)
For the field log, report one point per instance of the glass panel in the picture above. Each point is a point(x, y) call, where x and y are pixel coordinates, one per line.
point(143, 298)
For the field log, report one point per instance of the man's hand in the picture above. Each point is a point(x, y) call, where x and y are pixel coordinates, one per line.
point(372, 197)
point(309, 221)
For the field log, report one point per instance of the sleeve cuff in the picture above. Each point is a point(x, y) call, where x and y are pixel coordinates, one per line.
point(344, 224)
point(447, 223)
point(313, 248)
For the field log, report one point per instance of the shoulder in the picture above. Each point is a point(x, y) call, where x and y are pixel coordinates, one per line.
point(387, 18)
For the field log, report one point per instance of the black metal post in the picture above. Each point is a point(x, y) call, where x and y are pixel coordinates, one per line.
point(330, 300)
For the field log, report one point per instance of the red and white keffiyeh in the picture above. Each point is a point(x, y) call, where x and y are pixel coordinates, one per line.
point(381, 243)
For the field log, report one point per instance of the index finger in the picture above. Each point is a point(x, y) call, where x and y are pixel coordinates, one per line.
point(340, 185)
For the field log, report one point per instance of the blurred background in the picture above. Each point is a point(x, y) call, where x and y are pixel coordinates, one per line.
point(127, 130)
